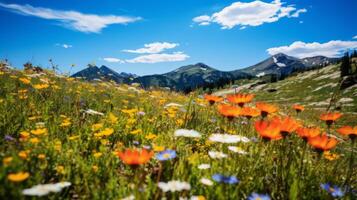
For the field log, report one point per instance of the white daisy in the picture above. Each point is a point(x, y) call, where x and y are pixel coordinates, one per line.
point(227, 138)
point(187, 133)
point(206, 181)
point(217, 154)
point(204, 166)
point(44, 189)
point(174, 186)
point(237, 150)
point(93, 112)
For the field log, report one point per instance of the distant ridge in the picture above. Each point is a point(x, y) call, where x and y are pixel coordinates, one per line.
point(197, 75)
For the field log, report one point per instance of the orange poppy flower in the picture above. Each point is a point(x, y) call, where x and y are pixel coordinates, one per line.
point(135, 157)
point(287, 125)
point(348, 131)
point(322, 142)
point(266, 108)
point(330, 117)
point(249, 112)
point(306, 133)
point(213, 99)
point(268, 130)
point(298, 108)
point(229, 111)
point(240, 99)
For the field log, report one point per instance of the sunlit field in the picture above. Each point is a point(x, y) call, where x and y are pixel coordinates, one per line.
point(63, 138)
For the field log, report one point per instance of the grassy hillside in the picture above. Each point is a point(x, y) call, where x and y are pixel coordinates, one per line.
point(313, 89)
point(59, 129)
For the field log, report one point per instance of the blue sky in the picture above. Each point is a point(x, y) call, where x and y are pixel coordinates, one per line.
point(226, 35)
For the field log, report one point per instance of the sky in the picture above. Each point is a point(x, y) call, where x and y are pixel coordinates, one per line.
point(153, 37)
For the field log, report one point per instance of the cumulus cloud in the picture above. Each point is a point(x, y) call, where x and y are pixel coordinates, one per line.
point(88, 23)
point(155, 47)
point(300, 49)
point(354, 37)
point(159, 57)
point(113, 60)
point(253, 13)
point(66, 46)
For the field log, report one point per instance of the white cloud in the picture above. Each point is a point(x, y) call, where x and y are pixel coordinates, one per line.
point(162, 57)
point(88, 23)
point(155, 47)
point(300, 49)
point(253, 13)
point(66, 46)
point(113, 60)
point(354, 37)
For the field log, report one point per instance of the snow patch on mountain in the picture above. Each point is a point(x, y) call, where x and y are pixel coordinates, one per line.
point(278, 63)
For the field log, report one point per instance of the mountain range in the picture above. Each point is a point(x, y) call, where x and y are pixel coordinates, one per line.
point(198, 75)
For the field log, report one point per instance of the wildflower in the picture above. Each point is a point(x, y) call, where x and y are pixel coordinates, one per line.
point(330, 156)
point(41, 156)
point(322, 142)
point(34, 140)
point(206, 181)
point(93, 112)
point(97, 126)
point(187, 133)
point(250, 112)
point(105, 132)
point(7, 160)
point(157, 148)
point(298, 108)
point(60, 169)
point(97, 154)
point(172, 105)
point(131, 197)
point(268, 130)
point(150, 136)
point(349, 131)
point(41, 86)
point(334, 191)
point(265, 108)
point(237, 150)
point(229, 111)
point(240, 99)
point(9, 138)
point(212, 99)
point(44, 189)
point(200, 197)
point(112, 118)
point(137, 131)
point(227, 138)
point(23, 154)
point(25, 80)
point(135, 157)
point(225, 179)
point(256, 196)
point(18, 177)
point(204, 166)
point(39, 131)
point(141, 113)
point(66, 122)
point(287, 125)
point(174, 186)
point(330, 118)
point(166, 155)
point(217, 154)
point(306, 133)
point(95, 168)
point(24, 134)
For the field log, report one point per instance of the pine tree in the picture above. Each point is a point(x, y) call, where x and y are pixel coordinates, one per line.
point(345, 67)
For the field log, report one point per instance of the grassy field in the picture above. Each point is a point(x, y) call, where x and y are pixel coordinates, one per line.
point(60, 130)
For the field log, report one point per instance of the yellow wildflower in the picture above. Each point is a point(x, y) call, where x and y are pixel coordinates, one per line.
point(137, 131)
point(34, 140)
point(73, 137)
point(18, 177)
point(60, 169)
point(95, 168)
point(150, 136)
point(25, 80)
point(97, 126)
point(158, 148)
point(112, 118)
point(97, 154)
point(23, 154)
point(39, 131)
point(331, 156)
point(41, 156)
point(41, 86)
point(7, 160)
